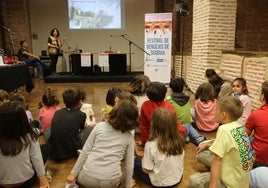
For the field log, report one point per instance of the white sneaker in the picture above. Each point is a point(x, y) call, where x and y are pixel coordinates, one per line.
point(48, 175)
point(71, 185)
point(207, 141)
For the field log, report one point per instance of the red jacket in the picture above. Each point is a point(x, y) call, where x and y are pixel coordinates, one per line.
point(257, 122)
point(147, 109)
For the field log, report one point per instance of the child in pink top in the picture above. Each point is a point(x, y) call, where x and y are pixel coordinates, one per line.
point(46, 113)
point(205, 106)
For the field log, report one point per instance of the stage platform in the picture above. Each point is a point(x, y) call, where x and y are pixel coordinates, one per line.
point(67, 77)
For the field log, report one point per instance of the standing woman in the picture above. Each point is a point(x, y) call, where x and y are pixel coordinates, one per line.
point(54, 45)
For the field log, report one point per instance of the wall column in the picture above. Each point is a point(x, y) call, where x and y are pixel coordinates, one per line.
point(214, 23)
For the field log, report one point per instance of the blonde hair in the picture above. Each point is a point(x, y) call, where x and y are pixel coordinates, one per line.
point(232, 106)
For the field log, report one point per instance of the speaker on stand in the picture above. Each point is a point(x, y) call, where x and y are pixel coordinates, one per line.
point(183, 10)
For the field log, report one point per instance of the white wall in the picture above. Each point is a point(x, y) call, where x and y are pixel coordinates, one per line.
point(47, 14)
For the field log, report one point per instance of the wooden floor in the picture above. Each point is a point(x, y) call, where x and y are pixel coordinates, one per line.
point(96, 93)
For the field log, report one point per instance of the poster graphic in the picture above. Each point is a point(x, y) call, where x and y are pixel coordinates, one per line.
point(85, 59)
point(158, 43)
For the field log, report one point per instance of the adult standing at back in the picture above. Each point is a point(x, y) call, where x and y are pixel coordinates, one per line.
point(54, 45)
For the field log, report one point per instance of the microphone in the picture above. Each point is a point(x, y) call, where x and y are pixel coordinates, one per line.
point(5, 28)
point(118, 35)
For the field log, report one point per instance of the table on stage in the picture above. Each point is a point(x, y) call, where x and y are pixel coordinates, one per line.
point(77, 68)
point(13, 76)
point(117, 63)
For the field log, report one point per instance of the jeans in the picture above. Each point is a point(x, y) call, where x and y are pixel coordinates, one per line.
point(34, 62)
point(195, 137)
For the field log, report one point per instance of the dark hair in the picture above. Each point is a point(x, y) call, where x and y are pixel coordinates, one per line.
point(49, 98)
point(127, 96)
point(3, 95)
point(176, 84)
point(124, 116)
point(82, 93)
point(111, 94)
point(243, 82)
point(210, 72)
point(264, 91)
point(156, 91)
point(217, 82)
point(19, 97)
point(52, 31)
point(21, 42)
point(138, 85)
point(164, 129)
point(71, 97)
point(232, 106)
point(15, 131)
point(205, 92)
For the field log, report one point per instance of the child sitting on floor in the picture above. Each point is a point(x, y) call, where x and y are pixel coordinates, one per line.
point(230, 157)
point(162, 164)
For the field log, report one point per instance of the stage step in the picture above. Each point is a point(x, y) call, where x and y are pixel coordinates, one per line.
point(66, 77)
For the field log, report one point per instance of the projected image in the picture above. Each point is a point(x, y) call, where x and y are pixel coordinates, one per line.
point(95, 14)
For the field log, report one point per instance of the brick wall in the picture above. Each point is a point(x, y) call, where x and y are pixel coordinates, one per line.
point(252, 25)
point(15, 15)
point(255, 72)
point(252, 67)
point(213, 31)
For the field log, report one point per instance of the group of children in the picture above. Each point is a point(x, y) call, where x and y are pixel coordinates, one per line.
point(164, 123)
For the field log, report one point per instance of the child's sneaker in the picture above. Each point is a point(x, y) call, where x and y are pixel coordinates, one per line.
point(207, 141)
point(79, 151)
point(187, 139)
point(48, 175)
point(71, 185)
point(197, 142)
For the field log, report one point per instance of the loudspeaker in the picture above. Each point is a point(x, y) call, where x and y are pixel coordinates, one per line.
point(117, 64)
point(182, 8)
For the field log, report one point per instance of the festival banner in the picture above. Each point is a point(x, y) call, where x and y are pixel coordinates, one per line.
point(158, 43)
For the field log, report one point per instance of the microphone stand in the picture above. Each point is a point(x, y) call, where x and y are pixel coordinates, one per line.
point(130, 43)
point(11, 40)
point(183, 13)
point(12, 45)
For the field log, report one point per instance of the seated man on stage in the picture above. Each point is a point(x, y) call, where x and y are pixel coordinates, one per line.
point(30, 59)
